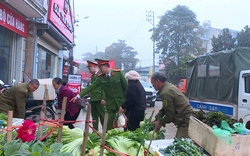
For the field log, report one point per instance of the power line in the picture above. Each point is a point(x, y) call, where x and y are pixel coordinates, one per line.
point(135, 29)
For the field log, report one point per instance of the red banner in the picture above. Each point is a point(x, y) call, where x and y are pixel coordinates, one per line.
point(65, 70)
point(13, 21)
point(61, 16)
point(112, 64)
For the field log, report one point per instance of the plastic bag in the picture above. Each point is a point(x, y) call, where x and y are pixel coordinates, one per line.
point(222, 134)
point(82, 102)
point(120, 120)
point(225, 126)
point(240, 128)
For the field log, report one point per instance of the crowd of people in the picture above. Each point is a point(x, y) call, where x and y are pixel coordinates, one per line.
point(113, 92)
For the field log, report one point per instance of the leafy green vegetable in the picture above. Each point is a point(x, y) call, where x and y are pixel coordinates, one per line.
point(214, 118)
point(182, 147)
point(16, 147)
point(125, 145)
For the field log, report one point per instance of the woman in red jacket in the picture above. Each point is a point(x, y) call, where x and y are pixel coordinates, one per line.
point(72, 108)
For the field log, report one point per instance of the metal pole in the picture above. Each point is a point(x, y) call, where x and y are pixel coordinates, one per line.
point(151, 19)
point(153, 44)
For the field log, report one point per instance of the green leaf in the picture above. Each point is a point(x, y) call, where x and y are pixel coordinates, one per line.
point(55, 147)
point(11, 147)
point(39, 148)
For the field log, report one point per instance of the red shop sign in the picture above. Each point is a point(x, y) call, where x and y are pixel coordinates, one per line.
point(60, 14)
point(12, 20)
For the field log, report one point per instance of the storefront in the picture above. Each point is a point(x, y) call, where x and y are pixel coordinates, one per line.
point(13, 31)
point(53, 41)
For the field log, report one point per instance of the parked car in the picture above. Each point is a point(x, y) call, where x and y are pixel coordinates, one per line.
point(150, 93)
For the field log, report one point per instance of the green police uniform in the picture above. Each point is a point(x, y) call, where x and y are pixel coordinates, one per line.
point(115, 87)
point(175, 109)
point(14, 99)
point(97, 109)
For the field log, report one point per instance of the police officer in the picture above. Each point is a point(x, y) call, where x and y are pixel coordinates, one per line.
point(114, 85)
point(97, 109)
point(175, 108)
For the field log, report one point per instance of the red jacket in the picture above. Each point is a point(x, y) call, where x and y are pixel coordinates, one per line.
point(71, 107)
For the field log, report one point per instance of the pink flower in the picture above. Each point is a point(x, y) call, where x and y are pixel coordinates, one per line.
point(27, 131)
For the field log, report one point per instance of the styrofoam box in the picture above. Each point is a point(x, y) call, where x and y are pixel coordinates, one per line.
point(156, 145)
point(39, 93)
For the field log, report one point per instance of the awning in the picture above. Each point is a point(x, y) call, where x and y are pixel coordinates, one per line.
point(29, 8)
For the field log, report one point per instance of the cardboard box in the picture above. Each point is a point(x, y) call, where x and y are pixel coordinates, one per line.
point(203, 135)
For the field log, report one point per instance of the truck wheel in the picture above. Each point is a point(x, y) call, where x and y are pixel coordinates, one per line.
point(152, 104)
point(248, 125)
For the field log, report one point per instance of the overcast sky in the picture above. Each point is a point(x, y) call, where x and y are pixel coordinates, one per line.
point(111, 20)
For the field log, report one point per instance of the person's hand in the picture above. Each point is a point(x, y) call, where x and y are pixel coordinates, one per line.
point(157, 125)
point(59, 116)
point(2, 90)
point(73, 99)
point(103, 102)
point(121, 110)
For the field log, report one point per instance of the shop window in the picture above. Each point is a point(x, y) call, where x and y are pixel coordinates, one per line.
point(214, 70)
point(6, 40)
point(46, 63)
point(202, 70)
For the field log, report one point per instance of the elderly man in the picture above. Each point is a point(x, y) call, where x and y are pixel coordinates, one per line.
point(175, 106)
point(14, 99)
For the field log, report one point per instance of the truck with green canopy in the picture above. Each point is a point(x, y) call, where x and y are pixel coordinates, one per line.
point(221, 82)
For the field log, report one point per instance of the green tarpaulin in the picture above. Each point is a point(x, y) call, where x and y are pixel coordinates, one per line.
point(216, 76)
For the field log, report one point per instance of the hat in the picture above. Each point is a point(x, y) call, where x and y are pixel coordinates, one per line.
point(133, 75)
point(91, 64)
point(101, 62)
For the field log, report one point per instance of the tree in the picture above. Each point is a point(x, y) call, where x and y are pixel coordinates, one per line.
point(92, 57)
point(123, 55)
point(243, 37)
point(178, 35)
point(175, 73)
point(224, 41)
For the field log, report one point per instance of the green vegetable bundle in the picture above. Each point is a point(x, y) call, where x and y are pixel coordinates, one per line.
point(181, 147)
point(214, 118)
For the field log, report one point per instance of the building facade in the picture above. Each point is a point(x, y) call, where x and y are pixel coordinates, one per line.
point(209, 32)
point(35, 36)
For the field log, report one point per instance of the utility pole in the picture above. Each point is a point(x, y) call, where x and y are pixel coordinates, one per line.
point(151, 19)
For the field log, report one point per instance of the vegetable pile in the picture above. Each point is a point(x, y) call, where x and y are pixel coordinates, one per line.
point(181, 147)
point(215, 118)
point(3, 119)
point(127, 142)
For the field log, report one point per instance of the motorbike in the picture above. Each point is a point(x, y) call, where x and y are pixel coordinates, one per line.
point(34, 107)
point(4, 86)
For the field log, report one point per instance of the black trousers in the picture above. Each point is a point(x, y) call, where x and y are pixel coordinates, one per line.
point(134, 119)
point(68, 117)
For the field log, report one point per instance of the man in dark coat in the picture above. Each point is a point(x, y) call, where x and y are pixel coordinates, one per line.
point(72, 108)
point(14, 99)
